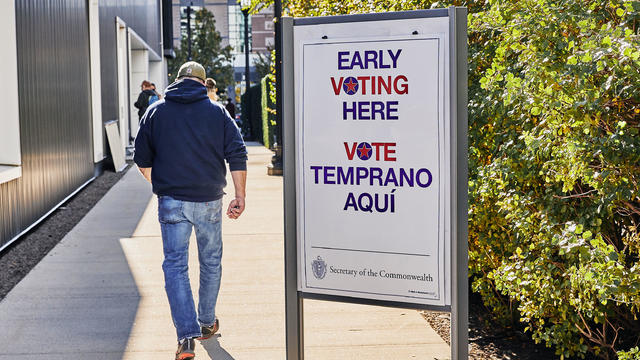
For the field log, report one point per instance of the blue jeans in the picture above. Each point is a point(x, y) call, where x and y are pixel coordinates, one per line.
point(177, 218)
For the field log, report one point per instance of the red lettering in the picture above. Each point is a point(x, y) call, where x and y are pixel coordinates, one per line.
point(336, 88)
point(351, 152)
point(402, 88)
point(385, 85)
point(377, 146)
point(388, 151)
point(362, 80)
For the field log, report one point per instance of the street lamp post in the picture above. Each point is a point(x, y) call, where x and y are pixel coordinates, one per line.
point(247, 73)
point(189, 30)
point(245, 4)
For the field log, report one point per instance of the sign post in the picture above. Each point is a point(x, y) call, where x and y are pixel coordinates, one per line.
point(375, 155)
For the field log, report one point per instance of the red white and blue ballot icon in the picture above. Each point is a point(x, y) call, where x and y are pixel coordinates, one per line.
point(364, 151)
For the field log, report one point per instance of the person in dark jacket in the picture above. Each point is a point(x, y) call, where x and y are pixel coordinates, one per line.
point(231, 108)
point(143, 98)
point(181, 148)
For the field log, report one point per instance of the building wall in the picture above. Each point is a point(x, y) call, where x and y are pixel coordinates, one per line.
point(143, 16)
point(262, 31)
point(55, 111)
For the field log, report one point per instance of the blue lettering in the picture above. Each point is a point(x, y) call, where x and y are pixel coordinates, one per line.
point(316, 169)
point(374, 59)
point(365, 206)
point(361, 173)
point(375, 173)
point(357, 60)
point(386, 205)
point(382, 65)
point(345, 178)
point(430, 178)
point(394, 58)
point(393, 201)
point(363, 110)
point(367, 202)
point(328, 174)
point(390, 110)
point(408, 177)
point(351, 201)
point(377, 107)
point(391, 177)
point(346, 110)
point(342, 59)
point(370, 56)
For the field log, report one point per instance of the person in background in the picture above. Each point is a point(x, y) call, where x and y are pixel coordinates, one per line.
point(231, 108)
point(158, 96)
point(143, 99)
point(181, 148)
point(212, 91)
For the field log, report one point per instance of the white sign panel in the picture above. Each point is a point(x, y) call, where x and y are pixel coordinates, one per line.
point(373, 160)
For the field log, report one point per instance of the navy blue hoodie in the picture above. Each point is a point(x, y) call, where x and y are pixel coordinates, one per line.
point(185, 139)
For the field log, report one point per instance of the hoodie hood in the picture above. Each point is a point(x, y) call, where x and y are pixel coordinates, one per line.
point(186, 91)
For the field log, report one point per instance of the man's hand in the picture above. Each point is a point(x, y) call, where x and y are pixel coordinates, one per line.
point(236, 207)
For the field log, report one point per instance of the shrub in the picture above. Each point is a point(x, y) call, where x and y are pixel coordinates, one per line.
point(554, 164)
point(555, 160)
point(268, 115)
point(251, 105)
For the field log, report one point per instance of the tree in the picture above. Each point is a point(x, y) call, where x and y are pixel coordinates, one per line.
point(206, 49)
point(263, 62)
point(554, 164)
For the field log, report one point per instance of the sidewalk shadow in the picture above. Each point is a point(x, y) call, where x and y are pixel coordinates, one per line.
point(214, 349)
point(83, 293)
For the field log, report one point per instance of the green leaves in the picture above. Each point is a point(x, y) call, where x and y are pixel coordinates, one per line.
point(535, 111)
point(557, 139)
point(207, 49)
point(554, 154)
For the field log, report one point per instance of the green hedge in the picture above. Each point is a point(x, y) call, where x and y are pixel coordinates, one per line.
point(258, 118)
point(554, 164)
point(268, 115)
point(251, 102)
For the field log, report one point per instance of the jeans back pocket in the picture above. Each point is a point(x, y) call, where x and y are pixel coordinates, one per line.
point(169, 210)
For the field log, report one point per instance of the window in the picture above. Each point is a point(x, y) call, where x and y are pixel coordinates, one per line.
point(236, 33)
point(268, 42)
point(184, 21)
point(10, 120)
point(268, 24)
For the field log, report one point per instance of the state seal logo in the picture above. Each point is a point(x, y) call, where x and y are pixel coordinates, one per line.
point(319, 268)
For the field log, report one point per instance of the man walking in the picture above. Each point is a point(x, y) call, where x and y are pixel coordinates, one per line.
point(181, 147)
point(143, 98)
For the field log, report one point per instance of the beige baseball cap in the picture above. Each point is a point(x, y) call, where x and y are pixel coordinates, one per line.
point(192, 68)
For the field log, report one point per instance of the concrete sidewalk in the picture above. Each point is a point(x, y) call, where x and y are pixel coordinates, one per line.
point(100, 294)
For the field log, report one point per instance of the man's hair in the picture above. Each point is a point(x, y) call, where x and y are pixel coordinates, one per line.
point(210, 83)
point(191, 78)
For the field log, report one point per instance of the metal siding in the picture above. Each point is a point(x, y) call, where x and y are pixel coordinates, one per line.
point(167, 25)
point(140, 15)
point(55, 111)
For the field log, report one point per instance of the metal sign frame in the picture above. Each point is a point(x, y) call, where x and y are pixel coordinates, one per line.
point(459, 174)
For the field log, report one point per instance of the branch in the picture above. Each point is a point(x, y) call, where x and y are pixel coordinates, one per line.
point(576, 196)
